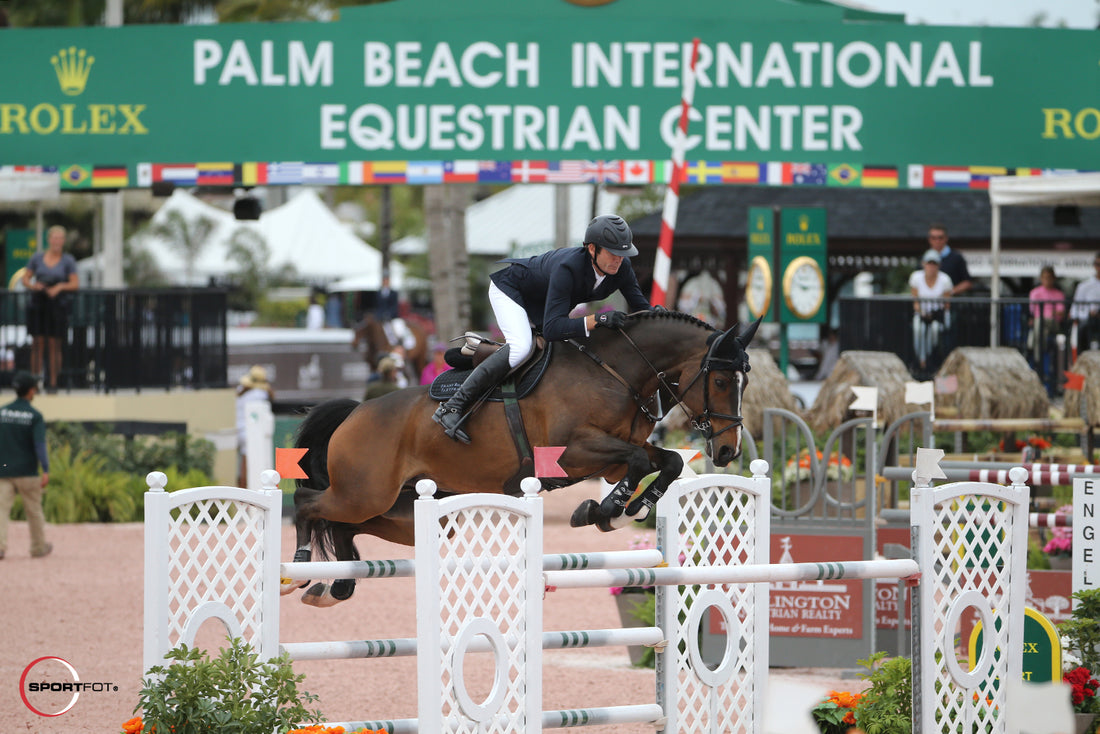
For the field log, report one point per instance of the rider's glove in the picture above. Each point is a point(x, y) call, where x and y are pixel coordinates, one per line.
point(660, 309)
point(611, 319)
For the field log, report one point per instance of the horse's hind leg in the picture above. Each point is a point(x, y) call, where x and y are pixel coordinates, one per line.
point(323, 594)
point(304, 497)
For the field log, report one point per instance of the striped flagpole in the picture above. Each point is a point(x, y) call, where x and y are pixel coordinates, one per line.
point(663, 265)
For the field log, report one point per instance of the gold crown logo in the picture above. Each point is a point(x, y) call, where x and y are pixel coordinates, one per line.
point(72, 67)
point(803, 222)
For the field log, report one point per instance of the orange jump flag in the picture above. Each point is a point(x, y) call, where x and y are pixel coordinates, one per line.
point(546, 461)
point(1075, 381)
point(287, 463)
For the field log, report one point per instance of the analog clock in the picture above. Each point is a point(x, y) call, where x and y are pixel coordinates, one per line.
point(758, 287)
point(804, 287)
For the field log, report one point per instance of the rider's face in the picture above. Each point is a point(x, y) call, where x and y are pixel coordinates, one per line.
point(606, 261)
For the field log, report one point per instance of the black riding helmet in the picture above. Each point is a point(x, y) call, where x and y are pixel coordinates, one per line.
point(612, 234)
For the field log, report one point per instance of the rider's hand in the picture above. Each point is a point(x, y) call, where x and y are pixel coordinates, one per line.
point(611, 319)
point(660, 309)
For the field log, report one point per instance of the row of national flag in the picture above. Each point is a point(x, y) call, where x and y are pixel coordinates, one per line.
point(626, 172)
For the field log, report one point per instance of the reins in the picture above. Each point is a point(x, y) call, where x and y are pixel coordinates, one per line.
point(702, 422)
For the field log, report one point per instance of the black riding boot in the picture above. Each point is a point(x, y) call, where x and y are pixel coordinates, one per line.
point(484, 377)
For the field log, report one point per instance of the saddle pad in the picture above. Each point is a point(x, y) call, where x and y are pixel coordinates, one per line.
point(444, 386)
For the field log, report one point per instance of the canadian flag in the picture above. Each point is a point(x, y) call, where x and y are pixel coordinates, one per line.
point(637, 172)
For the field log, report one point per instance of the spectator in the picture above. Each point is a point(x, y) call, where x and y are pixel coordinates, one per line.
point(386, 382)
point(1047, 309)
point(315, 314)
point(253, 387)
point(952, 264)
point(1085, 310)
point(52, 279)
point(930, 289)
point(22, 451)
point(437, 366)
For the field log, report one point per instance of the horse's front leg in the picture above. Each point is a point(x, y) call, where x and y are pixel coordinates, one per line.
point(610, 451)
point(670, 464)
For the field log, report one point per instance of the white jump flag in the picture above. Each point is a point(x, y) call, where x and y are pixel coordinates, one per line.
point(921, 393)
point(688, 455)
point(928, 467)
point(866, 399)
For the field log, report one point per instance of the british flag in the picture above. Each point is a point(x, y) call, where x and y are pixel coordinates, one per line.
point(603, 171)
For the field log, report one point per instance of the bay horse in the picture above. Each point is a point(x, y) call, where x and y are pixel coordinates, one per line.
point(370, 332)
point(599, 399)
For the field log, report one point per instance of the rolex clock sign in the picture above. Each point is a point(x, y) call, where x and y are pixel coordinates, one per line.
point(760, 278)
point(801, 271)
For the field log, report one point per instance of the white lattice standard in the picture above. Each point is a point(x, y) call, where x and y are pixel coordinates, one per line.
point(479, 583)
point(206, 558)
point(714, 520)
point(971, 541)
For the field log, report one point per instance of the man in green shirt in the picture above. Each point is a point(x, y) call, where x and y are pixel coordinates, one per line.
point(22, 450)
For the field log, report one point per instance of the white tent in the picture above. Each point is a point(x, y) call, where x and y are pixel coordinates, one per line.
point(302, 233)
point(1068, 189)
point(520, 221)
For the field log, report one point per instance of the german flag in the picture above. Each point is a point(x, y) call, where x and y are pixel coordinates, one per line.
point(110, 177)
point(880, 177)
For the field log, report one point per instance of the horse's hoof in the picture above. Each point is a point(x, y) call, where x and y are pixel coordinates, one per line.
point(342, 589)
point(587, 513)
point(287, 586)
point(319, 595)
point(610, 524)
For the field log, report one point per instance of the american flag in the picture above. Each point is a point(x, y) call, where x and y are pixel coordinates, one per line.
point(565, 172)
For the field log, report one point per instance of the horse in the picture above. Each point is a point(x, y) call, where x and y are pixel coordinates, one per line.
point(371, 332)
point(599, 399)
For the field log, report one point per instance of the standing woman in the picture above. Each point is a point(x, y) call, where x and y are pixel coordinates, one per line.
point(52, 279)
point(930, 289)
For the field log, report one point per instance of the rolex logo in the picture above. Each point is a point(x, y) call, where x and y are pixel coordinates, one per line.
point(72, 67)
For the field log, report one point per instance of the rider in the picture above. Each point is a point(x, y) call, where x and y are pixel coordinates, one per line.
point(541, 291)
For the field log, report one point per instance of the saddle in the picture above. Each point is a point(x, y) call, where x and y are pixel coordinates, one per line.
point(473, 352)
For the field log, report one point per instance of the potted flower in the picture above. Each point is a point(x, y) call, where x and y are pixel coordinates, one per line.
point(637, 607)
point(1059, 548)
point(1083, 694)
point(836, 714)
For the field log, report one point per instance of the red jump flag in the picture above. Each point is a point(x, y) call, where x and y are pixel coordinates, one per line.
point(546, 461)
point(287, 463)
point(1075, 381)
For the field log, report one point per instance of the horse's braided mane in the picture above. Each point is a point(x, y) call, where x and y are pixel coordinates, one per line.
point(674, 315)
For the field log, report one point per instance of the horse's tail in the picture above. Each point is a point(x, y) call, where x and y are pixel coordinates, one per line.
point(314, 434)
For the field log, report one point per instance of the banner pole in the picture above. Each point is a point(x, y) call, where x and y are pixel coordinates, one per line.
point(662, 266)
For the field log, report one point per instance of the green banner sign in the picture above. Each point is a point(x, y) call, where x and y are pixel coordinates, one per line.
point(19, 246)
point(802, 262)
point(760, 293)
point(424, 91)
point(1042, 648)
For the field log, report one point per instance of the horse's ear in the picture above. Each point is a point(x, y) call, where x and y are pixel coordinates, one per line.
point(744, 339)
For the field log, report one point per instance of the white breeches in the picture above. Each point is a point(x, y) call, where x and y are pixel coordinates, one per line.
point(514, 325)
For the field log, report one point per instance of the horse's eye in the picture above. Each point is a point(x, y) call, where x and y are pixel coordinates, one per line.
point(721, 383)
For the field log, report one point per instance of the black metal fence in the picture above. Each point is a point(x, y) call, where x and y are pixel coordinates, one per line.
point(892, 324)
point(131, 339)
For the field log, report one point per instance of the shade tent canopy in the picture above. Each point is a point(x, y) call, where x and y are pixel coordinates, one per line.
point(1068, 189)
point(303, 233)
point(520, 221)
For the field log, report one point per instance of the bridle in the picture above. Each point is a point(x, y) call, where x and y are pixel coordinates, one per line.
point(711, 363)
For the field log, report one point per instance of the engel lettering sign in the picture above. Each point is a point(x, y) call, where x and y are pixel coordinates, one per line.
point(552, 81)
point(1086, 564)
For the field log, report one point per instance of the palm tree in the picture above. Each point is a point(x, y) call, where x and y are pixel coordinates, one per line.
point(187, 237)
point(248, 249)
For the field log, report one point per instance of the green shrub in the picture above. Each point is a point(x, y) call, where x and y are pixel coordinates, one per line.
point(232, 694)
point(887, 706)
point(1081, 632)
point(139, 455)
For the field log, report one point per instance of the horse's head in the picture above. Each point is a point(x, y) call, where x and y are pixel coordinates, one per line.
point(717, 389)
